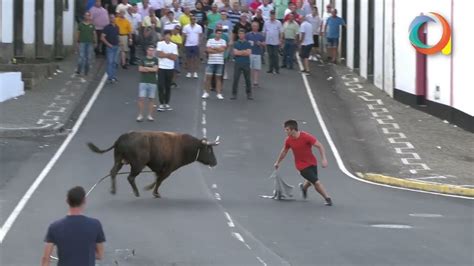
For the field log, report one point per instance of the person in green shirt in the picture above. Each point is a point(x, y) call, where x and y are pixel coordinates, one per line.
point(290, 39)
point(86, 40)
point(147, 87)
point(212, 17)
point(280, 7)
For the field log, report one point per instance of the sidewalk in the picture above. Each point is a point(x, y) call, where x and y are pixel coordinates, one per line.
point(49, 107)
point(388, 142)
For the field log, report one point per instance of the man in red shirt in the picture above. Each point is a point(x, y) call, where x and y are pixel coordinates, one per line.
point(292, 10)
point(301, 143)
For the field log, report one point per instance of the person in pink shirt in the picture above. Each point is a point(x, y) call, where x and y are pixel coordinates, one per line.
point(100, 19)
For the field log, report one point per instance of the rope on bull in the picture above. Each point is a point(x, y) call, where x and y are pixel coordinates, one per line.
point(104, 177)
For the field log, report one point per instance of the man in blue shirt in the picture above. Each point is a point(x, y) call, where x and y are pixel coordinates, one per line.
point(257, 41)
point(332, 34)
point(79, 239)
point(110, 37)
point(242, 52)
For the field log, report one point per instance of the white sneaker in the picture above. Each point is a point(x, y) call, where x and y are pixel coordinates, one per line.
point(168, 107)
point(139, 118)
point(161, 108)
point(220, 97)
point(188, 75)
point(205, 95)
point(195, 75)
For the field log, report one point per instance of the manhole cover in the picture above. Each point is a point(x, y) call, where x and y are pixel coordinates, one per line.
point(392, 226)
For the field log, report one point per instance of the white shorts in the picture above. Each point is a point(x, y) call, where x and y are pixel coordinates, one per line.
point(255, 61)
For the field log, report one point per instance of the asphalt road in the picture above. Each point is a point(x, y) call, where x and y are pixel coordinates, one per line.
point(215, 216)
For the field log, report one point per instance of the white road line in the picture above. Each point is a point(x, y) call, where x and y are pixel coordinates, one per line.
point(203, 121)
point(204, 132)
point(261, 261)
point(230, 223)
point(21, 204)
point(334, 150)
point(238, 236)
point(426, 215)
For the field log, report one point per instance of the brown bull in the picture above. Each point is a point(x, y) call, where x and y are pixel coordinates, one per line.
point(162, 152)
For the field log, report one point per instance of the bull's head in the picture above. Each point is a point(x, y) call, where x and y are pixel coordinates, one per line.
point(206, 152)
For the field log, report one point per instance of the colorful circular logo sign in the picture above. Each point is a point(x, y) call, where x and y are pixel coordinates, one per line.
point(443, 45)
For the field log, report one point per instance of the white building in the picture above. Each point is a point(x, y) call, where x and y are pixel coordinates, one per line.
point(376, 46)
point(35, 29)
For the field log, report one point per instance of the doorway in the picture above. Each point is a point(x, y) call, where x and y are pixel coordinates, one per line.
point(357, 36)
point(370, 42)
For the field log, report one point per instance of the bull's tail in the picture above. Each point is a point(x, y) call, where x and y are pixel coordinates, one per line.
point(96, 149)
point(150, 186)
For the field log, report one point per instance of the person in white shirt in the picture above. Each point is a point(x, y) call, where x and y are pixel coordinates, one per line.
point(306, 8)
point(324, 19)
point(191, 4)
point(176, 8)
point(266, 7)
point(123, 6)
point(192, 34)
point(135, 20)
point(215, 65)
point(306, 43)
point(144, 8)
point(169, 3)
point(157, 5)
point(316, 22)
point(167, 55)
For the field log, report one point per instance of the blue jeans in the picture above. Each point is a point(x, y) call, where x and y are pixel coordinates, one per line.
point(85, 55)
point(289, 53)
point(112, 62)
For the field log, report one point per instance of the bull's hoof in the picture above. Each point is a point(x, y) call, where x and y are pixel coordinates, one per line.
point(136, 194)
point(157, 195)
point(112, 191)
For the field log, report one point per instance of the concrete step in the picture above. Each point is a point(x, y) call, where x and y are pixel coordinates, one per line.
point(32, 73)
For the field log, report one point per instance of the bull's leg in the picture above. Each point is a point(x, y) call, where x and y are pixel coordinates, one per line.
point(131, 178)
point(159, 180)
point(113, 174)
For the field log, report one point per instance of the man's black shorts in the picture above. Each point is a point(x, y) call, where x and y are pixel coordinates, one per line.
point(310, 173)
point(316, 40)
point(305, 51)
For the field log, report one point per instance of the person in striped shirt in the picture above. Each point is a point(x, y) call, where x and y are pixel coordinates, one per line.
point(215, 47)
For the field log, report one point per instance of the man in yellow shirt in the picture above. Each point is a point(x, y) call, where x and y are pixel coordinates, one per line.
point(185, 18)
point(125, 38)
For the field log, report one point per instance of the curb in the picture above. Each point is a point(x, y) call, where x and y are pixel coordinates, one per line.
point(419, 185)
point(32, 132)
point(61, 127)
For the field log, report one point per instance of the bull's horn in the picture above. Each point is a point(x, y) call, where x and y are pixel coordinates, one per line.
point(213, 143)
